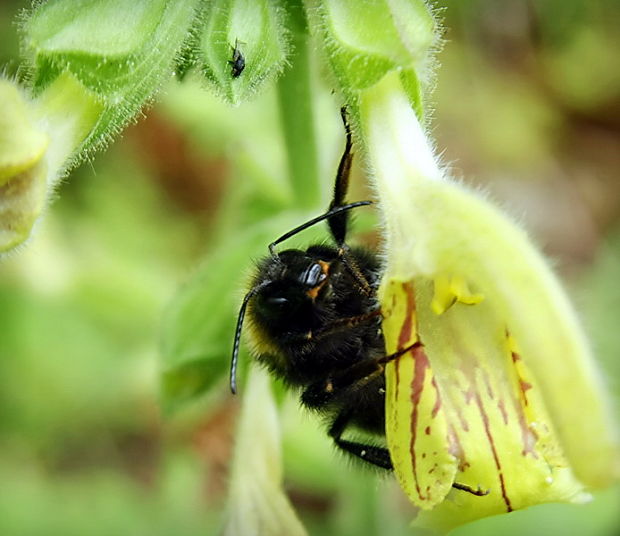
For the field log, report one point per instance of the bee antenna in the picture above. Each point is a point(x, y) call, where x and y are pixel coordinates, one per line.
point(331, 212)
point(235, 354)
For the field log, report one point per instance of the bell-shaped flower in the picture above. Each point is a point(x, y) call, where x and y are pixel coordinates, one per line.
point(257, 502)
point(497, 403)
point(22, 170)
point(38, 136)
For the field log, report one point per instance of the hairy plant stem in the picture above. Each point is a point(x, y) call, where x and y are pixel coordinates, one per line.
point(295, 102)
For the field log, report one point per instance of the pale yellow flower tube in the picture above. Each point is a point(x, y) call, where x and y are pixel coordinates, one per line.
point(500, 390)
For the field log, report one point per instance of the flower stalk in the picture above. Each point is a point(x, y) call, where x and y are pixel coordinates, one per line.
point(296, 114)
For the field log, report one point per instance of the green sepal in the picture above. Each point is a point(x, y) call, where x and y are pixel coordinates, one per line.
point(364, 43)
point(120, 50)
point(257, 31)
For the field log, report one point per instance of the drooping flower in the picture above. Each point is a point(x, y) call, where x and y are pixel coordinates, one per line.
point(22, 170)
point(257, 502)
point(37, 139)
point(499, 391)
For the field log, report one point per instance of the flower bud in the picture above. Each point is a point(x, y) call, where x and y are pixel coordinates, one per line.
point(365, 41)
point(39, 138)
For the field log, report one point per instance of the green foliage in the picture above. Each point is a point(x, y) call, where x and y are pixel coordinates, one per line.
point(200, 316)
point(197, 331)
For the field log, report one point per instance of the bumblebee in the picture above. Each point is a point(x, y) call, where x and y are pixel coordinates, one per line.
point(317, 326)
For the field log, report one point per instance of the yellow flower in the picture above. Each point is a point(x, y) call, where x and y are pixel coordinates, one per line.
point(37, 139)
point(499, 391)
point(22, 170)
point(257, 503)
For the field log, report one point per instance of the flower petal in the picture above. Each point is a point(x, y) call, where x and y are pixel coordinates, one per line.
point(22, 167)
point(473, 407)
point(416, 425)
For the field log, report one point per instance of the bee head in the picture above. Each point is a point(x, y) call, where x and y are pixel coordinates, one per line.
point(282, 298)
point(289, 285)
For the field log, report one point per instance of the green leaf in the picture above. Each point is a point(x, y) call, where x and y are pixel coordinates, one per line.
point(199, 327)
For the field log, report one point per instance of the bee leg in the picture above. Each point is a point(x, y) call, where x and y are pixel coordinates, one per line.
point(321, 393)
point(353, 269)
point(356, 377)
point(477, 492)
point(337, 215)
point(378, 456)
point(338, 222)
point(345, 324)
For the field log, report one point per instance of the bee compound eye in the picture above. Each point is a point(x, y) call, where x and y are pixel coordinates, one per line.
point(312, 276)
point(277, 300)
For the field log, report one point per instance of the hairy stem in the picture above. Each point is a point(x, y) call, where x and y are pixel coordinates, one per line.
point(295, 101)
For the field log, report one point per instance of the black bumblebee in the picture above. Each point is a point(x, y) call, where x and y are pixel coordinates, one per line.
point(316, 323)
point(237, 63)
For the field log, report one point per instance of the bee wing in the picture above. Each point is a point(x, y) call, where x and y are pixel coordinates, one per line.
point(417, 431)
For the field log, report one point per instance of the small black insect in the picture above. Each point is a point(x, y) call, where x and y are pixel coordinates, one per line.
point(316, 324)
point(237, 63)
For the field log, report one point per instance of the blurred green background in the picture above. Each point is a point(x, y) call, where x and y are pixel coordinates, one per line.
point(527, 109)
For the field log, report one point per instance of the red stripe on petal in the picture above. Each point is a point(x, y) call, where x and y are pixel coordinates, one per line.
point(456, 449)
point(487, 429)
point(464, 424)
point(502, 409)
point(407, 329)
point(528, 437)
point(437, 405)
point(421, 364)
